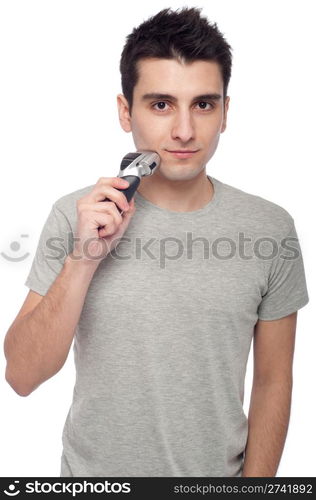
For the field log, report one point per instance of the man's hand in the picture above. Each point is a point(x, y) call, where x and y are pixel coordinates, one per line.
point(100, 225)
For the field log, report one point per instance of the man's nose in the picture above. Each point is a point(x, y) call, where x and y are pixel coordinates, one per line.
point(183, 128)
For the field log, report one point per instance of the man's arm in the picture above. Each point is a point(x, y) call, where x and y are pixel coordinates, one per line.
point(270, 404)
point(37, 344)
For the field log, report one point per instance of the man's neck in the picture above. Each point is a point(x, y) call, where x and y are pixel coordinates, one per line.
point(179, 196)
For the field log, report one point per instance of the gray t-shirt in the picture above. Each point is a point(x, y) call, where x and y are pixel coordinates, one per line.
point(163, 339)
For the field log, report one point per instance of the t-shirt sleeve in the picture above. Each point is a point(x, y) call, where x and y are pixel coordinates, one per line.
point(287, 290)
point(51, 252)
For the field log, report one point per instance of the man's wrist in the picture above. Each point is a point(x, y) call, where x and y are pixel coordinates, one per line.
point(82, 265)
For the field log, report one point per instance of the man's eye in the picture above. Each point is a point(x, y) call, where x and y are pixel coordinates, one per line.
point(160, 106)
point(203, 105)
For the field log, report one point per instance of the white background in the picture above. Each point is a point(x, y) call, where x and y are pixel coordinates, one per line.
point(59, 132)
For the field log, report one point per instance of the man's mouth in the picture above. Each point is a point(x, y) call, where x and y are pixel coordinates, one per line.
point(182, 153)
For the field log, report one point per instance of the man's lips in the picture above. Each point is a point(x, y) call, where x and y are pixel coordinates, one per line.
point(182, 153)
point(182, 150)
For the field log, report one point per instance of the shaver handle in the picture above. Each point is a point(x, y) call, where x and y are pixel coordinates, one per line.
point(133, 181)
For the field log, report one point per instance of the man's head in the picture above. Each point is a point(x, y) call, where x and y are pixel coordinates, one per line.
point(175, 71)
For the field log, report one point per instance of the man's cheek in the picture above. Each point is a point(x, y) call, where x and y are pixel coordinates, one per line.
point(147, 135)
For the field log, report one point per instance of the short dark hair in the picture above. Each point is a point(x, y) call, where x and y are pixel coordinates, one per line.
point(183, 34)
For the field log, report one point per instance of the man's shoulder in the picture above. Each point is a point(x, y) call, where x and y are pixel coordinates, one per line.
point(254, 210)
point(68, 198)
point(66, 204)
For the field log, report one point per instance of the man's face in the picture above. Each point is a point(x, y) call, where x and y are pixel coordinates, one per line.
point(173, 111)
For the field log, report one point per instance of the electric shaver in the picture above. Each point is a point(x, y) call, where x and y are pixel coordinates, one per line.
point(133, 167)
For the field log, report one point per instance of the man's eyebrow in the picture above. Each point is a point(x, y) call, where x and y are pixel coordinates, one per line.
point(169, 97)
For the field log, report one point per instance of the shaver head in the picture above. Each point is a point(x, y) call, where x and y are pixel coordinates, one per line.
point(139, 164)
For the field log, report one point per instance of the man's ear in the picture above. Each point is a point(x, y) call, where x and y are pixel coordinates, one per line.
point(225, 114)
point(123, 110)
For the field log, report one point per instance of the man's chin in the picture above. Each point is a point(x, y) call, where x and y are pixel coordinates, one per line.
point(178, 172)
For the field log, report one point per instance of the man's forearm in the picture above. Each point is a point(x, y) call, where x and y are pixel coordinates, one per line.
point(268, 420)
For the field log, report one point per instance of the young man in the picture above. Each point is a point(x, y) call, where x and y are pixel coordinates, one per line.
point(165, 300)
